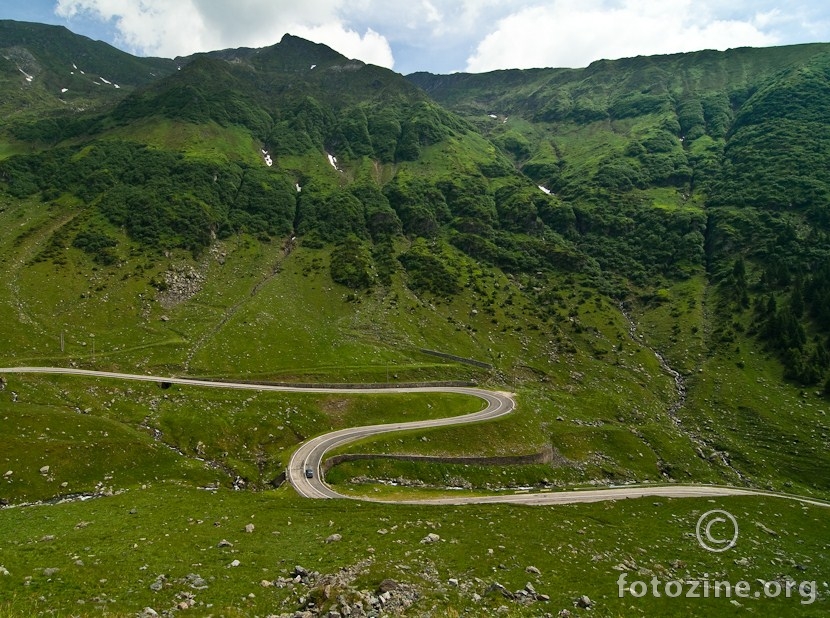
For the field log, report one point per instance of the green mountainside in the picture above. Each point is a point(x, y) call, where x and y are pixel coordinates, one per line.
point(47, 71)
point(638, 249)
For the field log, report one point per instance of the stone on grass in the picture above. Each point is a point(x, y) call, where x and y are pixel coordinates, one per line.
point(584, 602)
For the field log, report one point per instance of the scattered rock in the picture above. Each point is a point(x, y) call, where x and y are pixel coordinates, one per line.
point(387, 585)
point(235, 563)
point(181, 283)
point(743, 562)
point(564, 613)
point(765, 529)
point(430, 538)
point(266, 583)
point(334, 538)
point(4, 572)
point(44, 470)
point(534, 570)
point(249, 528)
point(584, 602)
point(148, 612)
point(452, 581)
point(50, 572)
point(196, 582)
point(497, 587)
point(8, 474)
point(224, 543)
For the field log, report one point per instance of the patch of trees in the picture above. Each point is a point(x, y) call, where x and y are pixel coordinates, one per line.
point(776, 153)
point(420, 205)
point(98, 244)
point(429, 269)
point(638, 104)
point(641, 242)
point(788, 290)
point(806, 360)
point(352, 264)
point(160, 198)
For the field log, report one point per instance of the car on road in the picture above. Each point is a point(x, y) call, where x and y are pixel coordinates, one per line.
point(309, 473)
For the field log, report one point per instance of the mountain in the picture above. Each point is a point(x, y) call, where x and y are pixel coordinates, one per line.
point(638, 250)
point(723, 154)
point(48, 69)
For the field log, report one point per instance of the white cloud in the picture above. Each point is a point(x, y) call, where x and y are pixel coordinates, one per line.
point(443, 35)
point(146, 26)
point(573, 33)
point(181, 27)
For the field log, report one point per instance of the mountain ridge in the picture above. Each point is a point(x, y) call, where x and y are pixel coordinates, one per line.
point(355, 221)
point(638, 251)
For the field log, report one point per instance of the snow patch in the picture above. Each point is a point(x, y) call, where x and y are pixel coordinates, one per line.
point(64, 90)
point(117, 86)
point(333, 161)
point(298, 187)
point(268, 160)
point(544, 189)
point(493, 116)
point(313, 65)
point(105, 81)
point(74, 66)
point(28, 77)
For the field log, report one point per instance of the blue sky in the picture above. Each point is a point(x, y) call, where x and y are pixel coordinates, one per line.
point(440, 36)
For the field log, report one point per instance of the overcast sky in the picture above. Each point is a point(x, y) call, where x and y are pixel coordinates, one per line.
point(440, 36)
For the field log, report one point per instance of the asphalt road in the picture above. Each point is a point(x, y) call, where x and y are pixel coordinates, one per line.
point(310, 454)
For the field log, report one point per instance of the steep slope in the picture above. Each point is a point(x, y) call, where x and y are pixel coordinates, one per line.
point(700, 179)
point(637, 250)
point(51, 76)
point(289, 214)
point(655, 153)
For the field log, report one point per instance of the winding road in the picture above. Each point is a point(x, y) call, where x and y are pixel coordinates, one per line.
point(310, 454)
